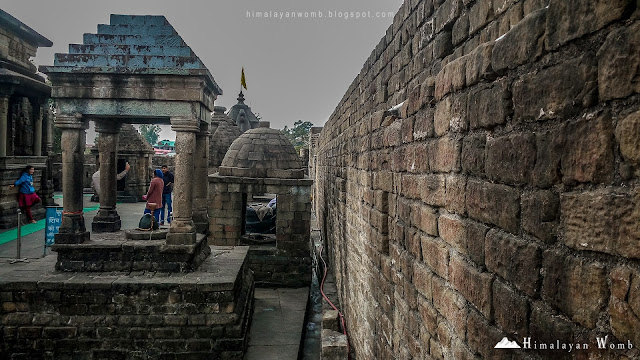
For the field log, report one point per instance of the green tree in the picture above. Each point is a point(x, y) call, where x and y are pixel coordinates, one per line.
point(151, 132)
point(298, 134)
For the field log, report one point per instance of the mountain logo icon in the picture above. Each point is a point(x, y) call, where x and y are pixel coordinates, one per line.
point(506, 344)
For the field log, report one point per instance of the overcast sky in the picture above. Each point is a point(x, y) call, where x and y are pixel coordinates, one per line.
point(296, 69)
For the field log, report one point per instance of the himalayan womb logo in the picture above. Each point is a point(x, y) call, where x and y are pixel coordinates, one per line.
point(506, 344)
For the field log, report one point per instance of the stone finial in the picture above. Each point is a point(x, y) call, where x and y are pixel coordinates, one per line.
point(240, 98)
point(219, 109)
point(264, 124)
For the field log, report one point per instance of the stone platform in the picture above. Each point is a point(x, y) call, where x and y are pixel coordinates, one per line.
point(115, 252)
point(139, 315)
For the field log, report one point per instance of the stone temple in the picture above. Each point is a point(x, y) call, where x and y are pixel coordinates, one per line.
point(26, 132)
point(474, 195)
point(137, 69)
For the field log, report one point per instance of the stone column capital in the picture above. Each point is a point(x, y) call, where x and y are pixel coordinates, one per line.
point(108, 126)
point(71, 122)
point(204, 130)
point(185, 123)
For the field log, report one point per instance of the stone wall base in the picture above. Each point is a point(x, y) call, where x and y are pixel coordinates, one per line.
point(114, 252)
point(141, 315)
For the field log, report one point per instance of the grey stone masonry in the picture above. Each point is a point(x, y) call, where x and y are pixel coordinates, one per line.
point(136, 315)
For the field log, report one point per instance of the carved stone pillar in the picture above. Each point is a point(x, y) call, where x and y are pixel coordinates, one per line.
point(182, 230)
point(72, 230)
point(107, 218)
point(37, 130)
point(46, 190)
point(201, 182)
point(4, 124)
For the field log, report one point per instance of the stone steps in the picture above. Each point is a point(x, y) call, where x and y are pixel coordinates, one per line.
point(119, 49)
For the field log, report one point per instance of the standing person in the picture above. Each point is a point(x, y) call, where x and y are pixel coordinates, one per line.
point(154, 195)
point(27, 196)
point(95, 179)
point(166, 194)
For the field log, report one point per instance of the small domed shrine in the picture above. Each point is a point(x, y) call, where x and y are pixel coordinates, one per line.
point(263, 161)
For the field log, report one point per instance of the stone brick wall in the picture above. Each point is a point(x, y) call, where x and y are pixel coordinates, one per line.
point(137, 315)
point(502, 198)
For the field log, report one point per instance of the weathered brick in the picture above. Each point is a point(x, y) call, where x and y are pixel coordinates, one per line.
point(540, 214)
point(558, 91)
point(451, 305)
point(576, 287)
point(455, 193)
point(494, 203)
point(432, 189)
point(450, 78)
point(547, 170)
point(450, 115)
point(446, 14)
point(442, 45)
point(478, 65)
point(530, 6)
point(476, 233)
point(481, 337)
point(423, 124)
point(460, 29)
point(422, 279)
point(444, 154)
point(514, 259)
point(510, 158)
point(627, 134)
point(624, 303)
point(547, 327)
point(489, 106)
point(568, 20)
point(521, 44)
point(436, 255)
point(514, 320)
point(500, 6)
point(452, 230)
point(479, 15)
point(473, 284)
point(588, 155)
point(473, 154)
point(614, 78)
point(602, 220)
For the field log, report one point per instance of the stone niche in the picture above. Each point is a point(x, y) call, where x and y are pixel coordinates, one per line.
point(263, 161)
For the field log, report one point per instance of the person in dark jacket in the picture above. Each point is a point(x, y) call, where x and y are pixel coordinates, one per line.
point(27, 196)
point(166, 194)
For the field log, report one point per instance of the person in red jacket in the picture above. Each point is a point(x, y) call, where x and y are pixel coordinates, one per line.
point(154, 195)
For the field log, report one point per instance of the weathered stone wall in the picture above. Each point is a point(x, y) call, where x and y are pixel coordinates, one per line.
point(503, 199)
point(201, 315)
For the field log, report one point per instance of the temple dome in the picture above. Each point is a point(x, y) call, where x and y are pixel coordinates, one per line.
point(262, 153)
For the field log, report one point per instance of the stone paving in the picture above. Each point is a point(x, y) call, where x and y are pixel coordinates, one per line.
point(32, 243)
point(278, 320)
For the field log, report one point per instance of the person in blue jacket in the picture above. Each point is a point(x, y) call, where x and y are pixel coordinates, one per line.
point(27, 196)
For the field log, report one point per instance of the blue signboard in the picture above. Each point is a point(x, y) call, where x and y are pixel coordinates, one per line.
point(54, 219)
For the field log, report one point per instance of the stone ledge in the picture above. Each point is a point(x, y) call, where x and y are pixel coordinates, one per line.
point(164, 314)
point(113, 252)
